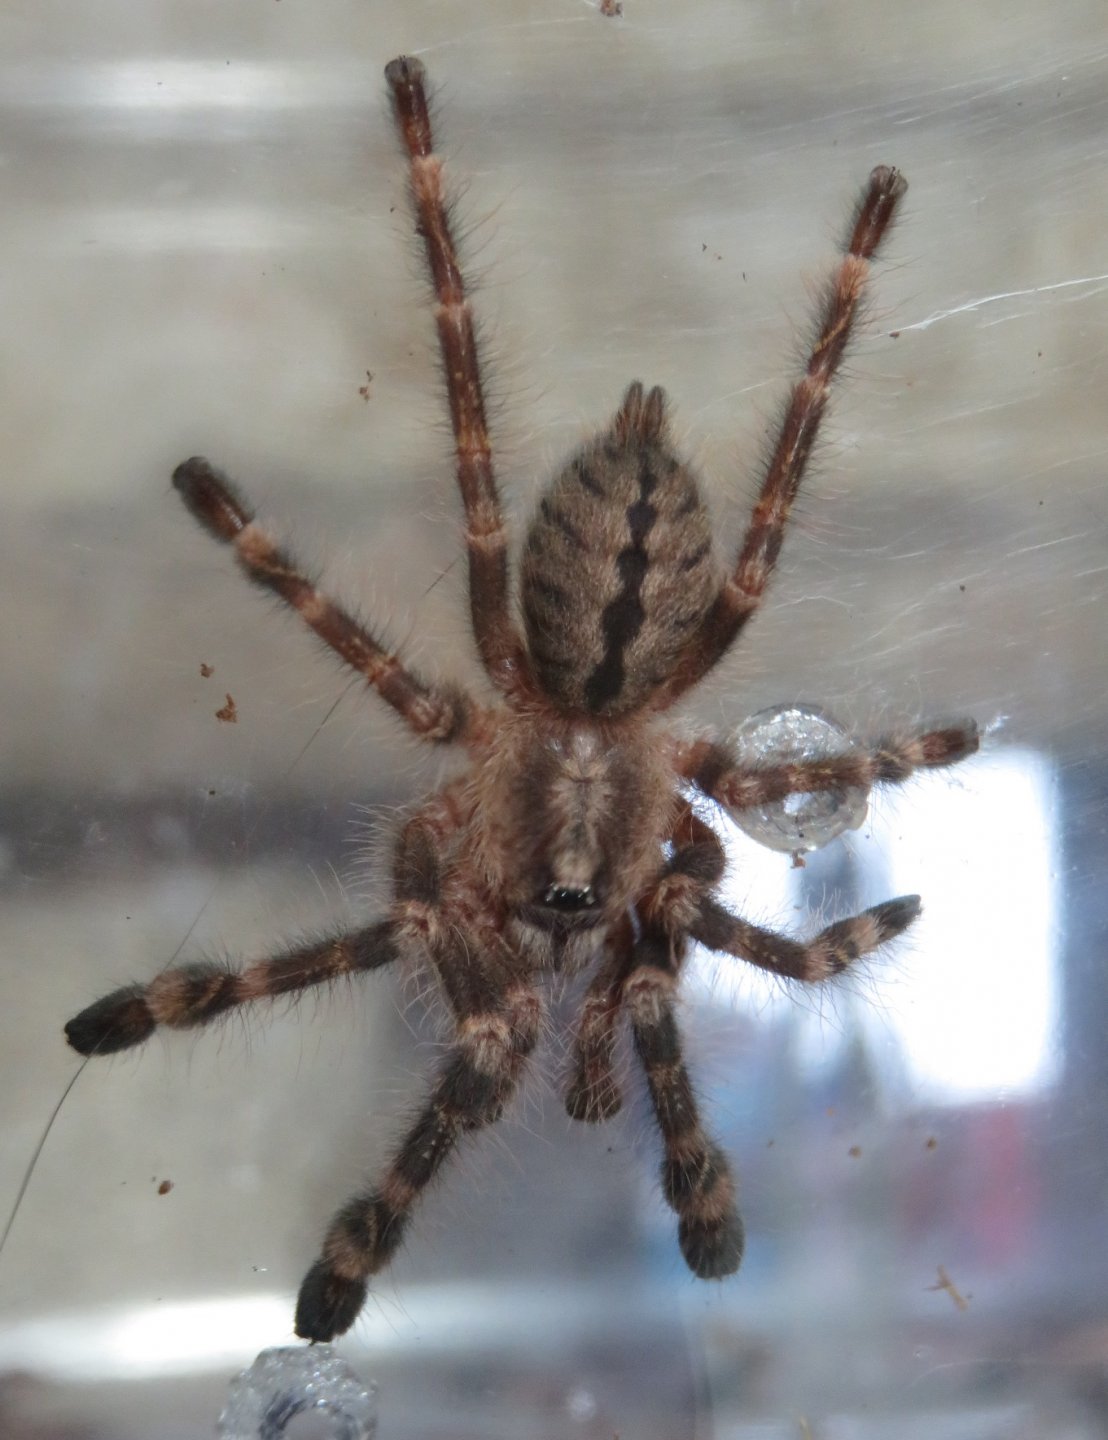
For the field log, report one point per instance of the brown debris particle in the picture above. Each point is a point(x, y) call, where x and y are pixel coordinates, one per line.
point(855, 1152)
point(364, 390)
point(206, 670)
point(611, 8)
point(946, 1283)
point(228, 712)
point(165, 1187)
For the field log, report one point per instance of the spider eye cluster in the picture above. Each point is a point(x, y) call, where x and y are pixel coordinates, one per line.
point(569, 898)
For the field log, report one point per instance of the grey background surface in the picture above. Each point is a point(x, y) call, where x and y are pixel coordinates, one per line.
point(205, 249)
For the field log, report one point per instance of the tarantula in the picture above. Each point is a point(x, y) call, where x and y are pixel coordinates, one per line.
point(571, 840)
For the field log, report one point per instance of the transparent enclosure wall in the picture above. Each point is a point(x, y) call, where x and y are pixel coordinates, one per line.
point(206, 249)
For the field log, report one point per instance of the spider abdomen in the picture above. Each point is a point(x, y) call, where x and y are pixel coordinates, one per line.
point(617, 570)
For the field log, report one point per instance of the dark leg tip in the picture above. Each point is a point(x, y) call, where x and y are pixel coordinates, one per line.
point(327, 1305)
point(403, 71)
point(952, 743)
point(211, 498)
point(886, 180)
point(593, 1103)
point(712, 1250)
point(894, 916)
point(117, 1022)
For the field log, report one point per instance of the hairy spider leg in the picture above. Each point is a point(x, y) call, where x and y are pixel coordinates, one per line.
point(889, 760)
point(435, 713)
point(486, 535)
point(741, 593)
point(191, 995)
point(594, 1094)
point(496, 1015)
point(695, 867)
point(696, 1177)
point(829, 953)
point(363, 1237)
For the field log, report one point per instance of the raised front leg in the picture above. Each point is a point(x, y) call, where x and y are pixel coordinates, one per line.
point(486, 535)
point(741, 593)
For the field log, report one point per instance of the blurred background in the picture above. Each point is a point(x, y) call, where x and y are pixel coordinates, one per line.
point(206, 249)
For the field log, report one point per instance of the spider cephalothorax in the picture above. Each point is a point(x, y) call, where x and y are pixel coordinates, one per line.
point(571, 840)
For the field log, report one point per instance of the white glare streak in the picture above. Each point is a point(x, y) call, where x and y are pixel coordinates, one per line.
point(222, 1333)
point(156, 83)
point(972, 305)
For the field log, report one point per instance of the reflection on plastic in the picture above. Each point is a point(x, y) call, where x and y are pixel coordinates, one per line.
point(282, 1384)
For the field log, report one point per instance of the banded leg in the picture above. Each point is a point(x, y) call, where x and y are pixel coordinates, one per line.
point(696, 867)
point(433, 712)
point(696, 1177)
point(697, 864)
point(890, 760)
point(829, 953)
point(477, 975)
point(486, 536)
point(741, 594)
point(194, 994)
point(594, 1094)
point(470, 1092)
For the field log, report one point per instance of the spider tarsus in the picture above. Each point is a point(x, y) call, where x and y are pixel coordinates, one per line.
point(406, 77)
point(327, 1304)
point(405, 70)
point(712, 1249)
point(593, 1103)
point(894, 916)
point(951, 743)
point(117, 1022)
point(883, 193)
point(211, 498)
point(845, 941)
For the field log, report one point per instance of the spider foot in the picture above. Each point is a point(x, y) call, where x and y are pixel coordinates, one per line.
point(328, 1303)
point(117, 1022)
point(700, 1188)
point(840, 944)
point(211, 498)
point(713, 1249)
point(593, 1099)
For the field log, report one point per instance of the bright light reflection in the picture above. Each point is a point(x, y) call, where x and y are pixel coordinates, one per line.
point(970, 997)
point(162, 83)
point(225, 1333)
point(139, 1342)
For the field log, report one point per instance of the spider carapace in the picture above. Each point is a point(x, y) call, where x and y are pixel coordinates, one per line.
point(570, 842)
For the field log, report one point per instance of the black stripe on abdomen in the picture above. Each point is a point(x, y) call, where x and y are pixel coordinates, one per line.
point(623, 617)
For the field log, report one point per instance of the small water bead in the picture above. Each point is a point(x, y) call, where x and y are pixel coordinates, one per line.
point(806, 821)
